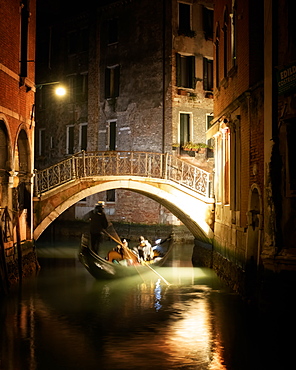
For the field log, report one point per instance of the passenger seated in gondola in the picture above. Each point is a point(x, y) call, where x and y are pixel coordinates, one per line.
point(117, 252)
point(158, 249)
point(122, 254)
point(144, 249)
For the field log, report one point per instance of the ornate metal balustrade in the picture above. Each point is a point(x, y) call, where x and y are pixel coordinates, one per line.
point(144, 164)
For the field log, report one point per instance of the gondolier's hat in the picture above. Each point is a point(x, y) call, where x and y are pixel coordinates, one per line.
point(100, 204)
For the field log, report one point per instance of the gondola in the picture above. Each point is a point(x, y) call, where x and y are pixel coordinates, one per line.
point(101, 269)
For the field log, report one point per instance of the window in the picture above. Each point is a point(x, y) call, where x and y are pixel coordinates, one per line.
point(217, 61)
point(81, 87)
point(70, 140)
point(112, 82)
point(112, 31)
point(70, 85)
point(110, 195)
point(209, 119)
point(72, 42)
point(83, 136)
point(84, 39)
point(185, 71)
point(225, 51)
point(112, 135)
point(208, 15)
point(184, 18)
point(207, 74)
point(184, 128)
point(78, 41)
point(233, 36)
point(42, 142)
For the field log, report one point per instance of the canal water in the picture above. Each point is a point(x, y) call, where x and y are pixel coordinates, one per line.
point(64, 319)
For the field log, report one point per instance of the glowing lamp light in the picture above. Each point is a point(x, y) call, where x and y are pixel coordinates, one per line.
point(60, 91)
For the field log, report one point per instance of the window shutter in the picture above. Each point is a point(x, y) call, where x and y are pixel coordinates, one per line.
point(205, 74)
point(116, 81)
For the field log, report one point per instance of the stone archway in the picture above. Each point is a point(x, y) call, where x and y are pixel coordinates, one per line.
point(23, 196)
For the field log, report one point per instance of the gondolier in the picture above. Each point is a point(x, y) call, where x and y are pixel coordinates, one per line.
point(97, 223)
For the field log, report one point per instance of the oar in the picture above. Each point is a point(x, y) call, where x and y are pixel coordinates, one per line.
point(112, 237)
point(162, 278)
point(126, 249)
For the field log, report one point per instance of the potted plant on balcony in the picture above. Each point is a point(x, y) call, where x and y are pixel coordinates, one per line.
point(196, 147)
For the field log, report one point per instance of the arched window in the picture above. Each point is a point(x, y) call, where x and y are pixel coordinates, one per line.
point(3, 148)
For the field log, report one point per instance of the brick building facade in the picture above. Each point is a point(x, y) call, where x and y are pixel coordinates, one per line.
point(253, 125)
point(17, 77)
point(237, 129)
point(139, 78)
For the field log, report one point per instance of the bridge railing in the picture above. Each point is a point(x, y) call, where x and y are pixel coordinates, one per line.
point(120, 163)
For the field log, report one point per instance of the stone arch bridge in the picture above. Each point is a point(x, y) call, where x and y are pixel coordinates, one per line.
point(182, 188)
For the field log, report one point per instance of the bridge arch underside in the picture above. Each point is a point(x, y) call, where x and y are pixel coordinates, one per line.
point(193, 210)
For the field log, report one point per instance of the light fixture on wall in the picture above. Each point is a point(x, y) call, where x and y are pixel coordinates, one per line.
point(60, 90)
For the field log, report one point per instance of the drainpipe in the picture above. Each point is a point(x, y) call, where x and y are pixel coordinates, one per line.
point(163, 73)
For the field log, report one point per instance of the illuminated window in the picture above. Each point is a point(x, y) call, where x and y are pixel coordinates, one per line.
point(185, 128)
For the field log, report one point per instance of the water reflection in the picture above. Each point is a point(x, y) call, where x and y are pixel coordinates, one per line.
point(65, 319)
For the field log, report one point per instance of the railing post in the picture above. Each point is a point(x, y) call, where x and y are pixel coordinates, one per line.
point(47, 178)
point(117, 163)
point(83, 163)
point(194, 178)
point(73, 167)
point(149, 165)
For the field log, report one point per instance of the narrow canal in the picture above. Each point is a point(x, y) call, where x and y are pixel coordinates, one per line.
point(64, 319)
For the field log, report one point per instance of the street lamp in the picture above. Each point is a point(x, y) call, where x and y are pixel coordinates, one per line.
point(60, 90)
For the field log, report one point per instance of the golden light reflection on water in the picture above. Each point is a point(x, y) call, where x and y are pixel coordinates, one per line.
point(185, 338)
point(139, 322)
